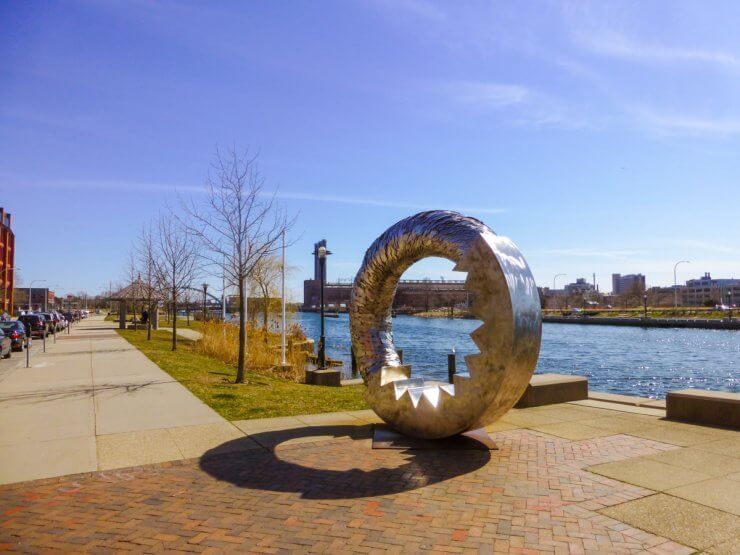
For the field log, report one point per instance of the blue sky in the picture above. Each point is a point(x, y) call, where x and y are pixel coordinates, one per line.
point(601, 137)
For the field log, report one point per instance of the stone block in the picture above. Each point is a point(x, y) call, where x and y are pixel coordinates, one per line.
point(713, 408)
point(547, 389)
point(327, 377)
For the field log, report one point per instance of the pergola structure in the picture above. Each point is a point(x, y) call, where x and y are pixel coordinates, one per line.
point(137, 293)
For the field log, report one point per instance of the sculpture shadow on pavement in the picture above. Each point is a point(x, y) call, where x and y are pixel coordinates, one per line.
point(334, 462)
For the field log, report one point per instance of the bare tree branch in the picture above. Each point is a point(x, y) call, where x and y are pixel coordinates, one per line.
point(175, 263)
point(238, 226)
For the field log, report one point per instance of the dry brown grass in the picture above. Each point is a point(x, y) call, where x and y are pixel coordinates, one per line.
point(221, 341)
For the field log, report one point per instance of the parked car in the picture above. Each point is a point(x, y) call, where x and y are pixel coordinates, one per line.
point(59, 319)
point(16, 331)
point(35, 324)
point(52, 321)
point(6, 346)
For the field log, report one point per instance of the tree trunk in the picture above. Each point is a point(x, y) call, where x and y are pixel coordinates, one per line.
point(242, 334)
point(174, 319)
point(149, 321)
point(265, 301)
point(187, 311)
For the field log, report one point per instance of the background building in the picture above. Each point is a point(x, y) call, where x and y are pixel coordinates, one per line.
point(41, 298)
point(626, 284)
point(579, 287)
point(706, 291)
point(412, 295)
point(7, 262)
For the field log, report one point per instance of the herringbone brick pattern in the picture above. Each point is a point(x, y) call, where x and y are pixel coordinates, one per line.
point(533, 495)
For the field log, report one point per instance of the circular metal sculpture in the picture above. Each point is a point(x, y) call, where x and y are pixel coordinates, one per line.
point(503, 295)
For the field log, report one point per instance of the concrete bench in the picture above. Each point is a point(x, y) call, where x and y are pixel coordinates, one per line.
point(328, 377)
point(713, 408)
point(547, 389)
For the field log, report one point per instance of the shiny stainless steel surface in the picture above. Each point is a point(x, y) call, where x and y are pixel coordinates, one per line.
point(503, 295)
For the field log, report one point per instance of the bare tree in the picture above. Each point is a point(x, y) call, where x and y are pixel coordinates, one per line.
point(129, 277)
point(238, 225)
point(633, 295)
point(175, 262)
point(146, 252)
point(264, 277)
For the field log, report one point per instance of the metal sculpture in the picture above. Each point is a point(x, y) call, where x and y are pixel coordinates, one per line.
point(503, 295)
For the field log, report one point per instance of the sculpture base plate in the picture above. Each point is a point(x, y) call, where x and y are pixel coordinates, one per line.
point(385, 437)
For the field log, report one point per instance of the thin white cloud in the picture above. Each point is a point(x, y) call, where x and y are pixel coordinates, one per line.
point(703, 245)
point(416, 8)
point(619, 46)
point(490, 95)
point(687, 124)
point(586, 252)
point(518, 104)
point(379, 203)
point(134, 186)
point(112, 185)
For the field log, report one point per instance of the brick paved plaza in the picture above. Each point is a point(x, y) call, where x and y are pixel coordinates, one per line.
point(322, 488)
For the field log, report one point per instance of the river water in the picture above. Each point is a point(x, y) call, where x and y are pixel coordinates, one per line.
point(647, 362)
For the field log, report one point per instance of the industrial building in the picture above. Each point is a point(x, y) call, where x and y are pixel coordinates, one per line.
point(706, 290)
point(411, 294)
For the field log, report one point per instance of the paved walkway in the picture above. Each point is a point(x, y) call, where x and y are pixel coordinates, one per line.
point(573, 478)
point(94, 402)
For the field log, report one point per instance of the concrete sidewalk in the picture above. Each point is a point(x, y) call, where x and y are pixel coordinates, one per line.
point(185, 332)
point(94, 402)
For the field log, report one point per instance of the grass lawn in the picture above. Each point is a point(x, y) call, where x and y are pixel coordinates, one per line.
point(262, 396)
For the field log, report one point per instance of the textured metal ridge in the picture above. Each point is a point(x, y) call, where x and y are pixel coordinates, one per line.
point(504, 296)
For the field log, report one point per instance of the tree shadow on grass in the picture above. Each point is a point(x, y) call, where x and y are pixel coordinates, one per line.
point(340, 466)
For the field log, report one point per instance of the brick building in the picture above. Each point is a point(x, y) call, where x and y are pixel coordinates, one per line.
point(41, 298)
point(7, 262)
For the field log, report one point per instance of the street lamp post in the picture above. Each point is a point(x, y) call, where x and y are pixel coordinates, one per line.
point(729, 305)
point(675, 282)
point(30, 285)
point(282, 301)
point(322, 253)
point(644, 304)
point(554, 278)
point(205, 292)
